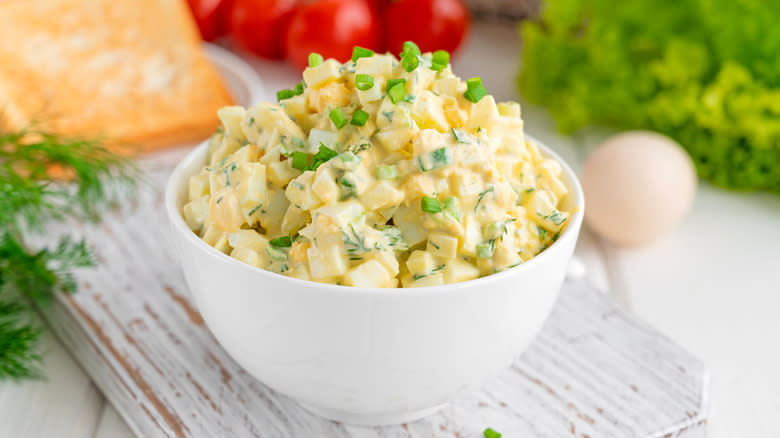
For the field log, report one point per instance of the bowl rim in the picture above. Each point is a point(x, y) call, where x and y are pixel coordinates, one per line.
point(179, 226)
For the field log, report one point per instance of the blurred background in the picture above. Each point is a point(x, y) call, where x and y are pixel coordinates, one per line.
point(670, 112)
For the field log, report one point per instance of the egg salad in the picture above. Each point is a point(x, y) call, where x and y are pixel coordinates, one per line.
point(378, 172)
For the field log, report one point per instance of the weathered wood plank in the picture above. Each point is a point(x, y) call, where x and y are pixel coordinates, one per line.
point(111, 424)
point(594, 371)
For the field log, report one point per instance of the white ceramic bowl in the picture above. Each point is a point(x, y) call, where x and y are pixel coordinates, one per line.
point(369, 356)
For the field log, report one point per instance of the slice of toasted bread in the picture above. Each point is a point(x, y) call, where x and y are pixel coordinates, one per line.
point(126, 70)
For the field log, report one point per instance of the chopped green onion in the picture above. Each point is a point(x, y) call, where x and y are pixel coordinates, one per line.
point(473, 83)
point(435, 159)
point(450, 203)
point(386, 172)
point(490, 433)
point(360, 52)
point(325, 153)
point(276, 254)
point(337, 117)
point(476, 94)
point(348, 187)
point(298, 88)
point(281, 242)
point(359, 118)
point(440, 60)
point(475, 91)
point(315, 59)
point(397, 93)
point(485, 250)
point(430, 205)
point(409, 62)
point(451, 207)
point(284, 94)
point(303, 161)
point(364, 82)
point(393, 82)
point(410, 48)
point(300, 160)
point(460, 136)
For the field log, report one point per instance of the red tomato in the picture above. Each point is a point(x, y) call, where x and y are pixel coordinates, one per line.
point(211, 16)
point(432, 24)
point(259, 26)
point(332, 28)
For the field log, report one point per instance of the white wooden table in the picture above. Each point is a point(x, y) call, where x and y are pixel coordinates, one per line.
point(713, 285)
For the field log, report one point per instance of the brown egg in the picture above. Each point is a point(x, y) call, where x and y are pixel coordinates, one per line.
point(638, 185)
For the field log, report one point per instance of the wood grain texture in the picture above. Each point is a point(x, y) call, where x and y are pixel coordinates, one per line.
point(595, 371)
point(111, 424)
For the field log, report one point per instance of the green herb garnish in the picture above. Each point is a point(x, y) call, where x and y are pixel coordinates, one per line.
point(485, 249)
point(410, 48)
point(355, 243)
point(490, 433)
point(323, 155)
point(281, 242)
point(435, 159)
point(452, 208)
point(300, 160)
point(315, 59)
point(348, 187)
point(30, 196)
point(460, 136)
point(337, 117)
point(482, 195)
point(440, 60)
point(409, 62)
point(359, 118)
point(256, 207)
point(364, 82)
point(360, 52)
point(395, 238)
point(284, 94)
point(276, 254)
point(430, 205)
point(386, 172)
point(475, 91)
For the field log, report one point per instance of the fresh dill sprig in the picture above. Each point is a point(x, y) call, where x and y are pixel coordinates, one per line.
point(18, 338)
point(44, 177)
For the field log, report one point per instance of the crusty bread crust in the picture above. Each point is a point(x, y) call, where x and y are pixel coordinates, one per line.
point(131, 71)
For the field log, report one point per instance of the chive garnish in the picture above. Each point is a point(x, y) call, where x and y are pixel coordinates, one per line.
point(359, 118)
point(337, 117)
point(430, 205)
point(440, 60)
point(361, 52)
point(364, 82)
point(315, 59)
point(281, 242)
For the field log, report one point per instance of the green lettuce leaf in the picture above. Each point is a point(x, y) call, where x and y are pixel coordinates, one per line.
point(704, 72)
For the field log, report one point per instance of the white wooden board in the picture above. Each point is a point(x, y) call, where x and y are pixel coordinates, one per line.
point(595, 370)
